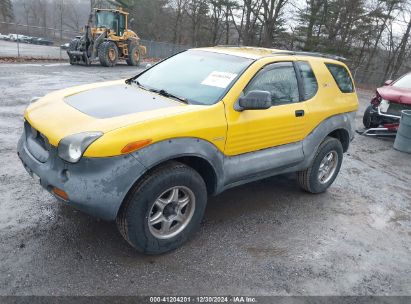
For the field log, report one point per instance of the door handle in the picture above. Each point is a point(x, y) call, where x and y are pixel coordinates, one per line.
point(299, 113)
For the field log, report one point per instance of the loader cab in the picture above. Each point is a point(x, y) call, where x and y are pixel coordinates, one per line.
point(114, 20)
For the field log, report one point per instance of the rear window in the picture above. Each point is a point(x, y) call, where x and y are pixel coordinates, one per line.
point(310, 85)
point(341, 77)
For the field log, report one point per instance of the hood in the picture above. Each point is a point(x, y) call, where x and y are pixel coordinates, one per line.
point(98, 107)
point(394, 94)
point(117, 100)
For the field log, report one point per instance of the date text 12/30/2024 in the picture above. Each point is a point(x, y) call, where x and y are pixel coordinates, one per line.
point(203, 299)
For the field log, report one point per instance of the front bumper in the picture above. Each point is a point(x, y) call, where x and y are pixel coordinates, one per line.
point(389, 111)
point(96, 186)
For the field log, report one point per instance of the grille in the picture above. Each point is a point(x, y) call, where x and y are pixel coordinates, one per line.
point(36, 136)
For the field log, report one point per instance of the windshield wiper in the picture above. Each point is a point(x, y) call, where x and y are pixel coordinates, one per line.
point(140, 85)
point(169, 95)
point(160, 92)
point(128, 81)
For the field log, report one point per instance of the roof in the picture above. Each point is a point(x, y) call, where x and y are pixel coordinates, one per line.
point(241, 51)
point(258, 52)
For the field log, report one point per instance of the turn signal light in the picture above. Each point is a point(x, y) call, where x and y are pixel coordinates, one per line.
point(60, 193)
point(135, 145)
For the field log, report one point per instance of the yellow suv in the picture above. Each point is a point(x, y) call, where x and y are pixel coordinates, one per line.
point(149, 150)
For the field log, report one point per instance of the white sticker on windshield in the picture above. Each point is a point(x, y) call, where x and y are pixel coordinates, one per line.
point(219, 79)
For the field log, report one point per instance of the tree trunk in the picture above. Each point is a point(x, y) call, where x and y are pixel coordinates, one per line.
point(377, 40)
point(403, 44)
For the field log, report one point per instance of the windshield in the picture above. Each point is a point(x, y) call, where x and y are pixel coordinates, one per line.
point(105, 19)
point(200, 77)
point(404, 82)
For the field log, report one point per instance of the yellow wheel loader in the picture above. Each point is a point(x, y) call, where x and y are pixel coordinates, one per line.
point(108, 41)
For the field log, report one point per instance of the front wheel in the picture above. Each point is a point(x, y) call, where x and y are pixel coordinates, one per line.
point(133, 57)
point(108, 53)
point(164, 209)
point(324, 167)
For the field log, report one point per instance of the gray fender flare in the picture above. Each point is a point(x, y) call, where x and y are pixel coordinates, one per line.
point(344, 121)
point(175, 148)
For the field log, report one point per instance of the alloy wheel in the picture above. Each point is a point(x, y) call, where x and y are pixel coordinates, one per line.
point(171, 212)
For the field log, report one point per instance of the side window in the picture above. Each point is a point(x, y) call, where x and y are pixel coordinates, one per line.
point(310, 84)
point(341, 77)
point(280, 80)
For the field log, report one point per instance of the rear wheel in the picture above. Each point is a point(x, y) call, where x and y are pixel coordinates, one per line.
point(164, 209)
point(108, 53)
point(368, 120)
point(324, 167)
point(133, 55)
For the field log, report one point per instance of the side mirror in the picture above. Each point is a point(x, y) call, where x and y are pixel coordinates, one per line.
point(254, 100)
point(388, 82)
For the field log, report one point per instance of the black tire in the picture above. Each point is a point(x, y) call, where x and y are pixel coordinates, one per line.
point(133, 217)
point(73, 44)
point(108, 53)
point(73, 47)
point(308, 179)
point(368, 120)
point(134, 55)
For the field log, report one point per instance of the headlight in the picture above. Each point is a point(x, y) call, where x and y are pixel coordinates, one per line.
point(71, 148)
point(384, 105)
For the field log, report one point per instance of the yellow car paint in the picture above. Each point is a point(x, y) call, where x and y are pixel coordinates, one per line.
point(255, 130)
point(204, 122)
point(232, 132)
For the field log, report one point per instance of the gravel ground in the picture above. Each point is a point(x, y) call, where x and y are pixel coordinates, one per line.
point(264, 238)
point(9, 49)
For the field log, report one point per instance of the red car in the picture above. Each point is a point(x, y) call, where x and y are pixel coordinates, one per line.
point(385, 108)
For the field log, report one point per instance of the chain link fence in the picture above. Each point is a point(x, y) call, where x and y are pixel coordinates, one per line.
point(162, 50)
point(56, 35)
point(18, 40)
point(28, 41)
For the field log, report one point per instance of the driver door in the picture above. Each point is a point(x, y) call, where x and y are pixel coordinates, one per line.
point(283, 123)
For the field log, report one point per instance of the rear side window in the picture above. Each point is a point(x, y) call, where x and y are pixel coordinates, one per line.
point(310, 85)
point(341, 77)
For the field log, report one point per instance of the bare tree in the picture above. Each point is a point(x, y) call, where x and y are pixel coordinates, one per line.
point(402, 48)
point(269, 17)
point(196, 11)
point(179, 7)
point(216, 19)
point(386, 15)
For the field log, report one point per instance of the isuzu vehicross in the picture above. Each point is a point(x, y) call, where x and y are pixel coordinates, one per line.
point(147, 151)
